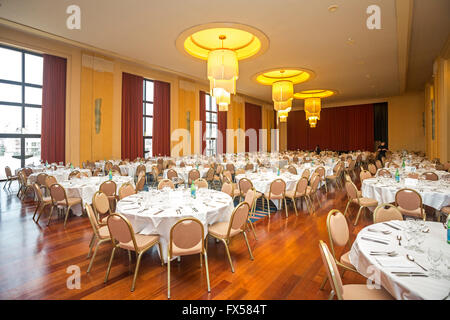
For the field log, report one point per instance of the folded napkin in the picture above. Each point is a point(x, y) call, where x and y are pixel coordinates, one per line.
point(398, 262)
point(370, 235)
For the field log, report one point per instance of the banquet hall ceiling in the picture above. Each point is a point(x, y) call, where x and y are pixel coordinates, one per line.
point(343, 53)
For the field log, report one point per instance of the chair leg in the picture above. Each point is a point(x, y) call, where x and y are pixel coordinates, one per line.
point(50, 216)
point(253, 228)
point(285, 207)
point(357, 217)
point(91, 244)
point(138, 262)
point(248, 246)
point(161, 253)
point(93, 256)
point(346, 208)
point(228, 254)
point(207, 271)
point(109, 264)
point(37, 209)
point(67, 215)
point(324, 282)
point(331, 296)
point(268, 208)
point(295, 206)
point(168, 276)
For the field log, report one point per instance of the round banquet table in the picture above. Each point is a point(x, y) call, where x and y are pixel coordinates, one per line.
point(381, 267)
point(435, 194)
point(85, 188)
point(130, 168)
point(156, 211)
point(60, 174)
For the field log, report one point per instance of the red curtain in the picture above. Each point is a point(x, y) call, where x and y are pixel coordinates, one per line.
point(53, 137)
point(132, 118)
point(203, 118)
point(252, 121)
point(340, 129)
point(161, 119)
point(222, 128)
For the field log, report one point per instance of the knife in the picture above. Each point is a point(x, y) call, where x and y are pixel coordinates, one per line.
point(374, 240)
point(391, 226)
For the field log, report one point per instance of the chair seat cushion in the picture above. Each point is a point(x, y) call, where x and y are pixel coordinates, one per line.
point(291, 194)
point(236, 192)
point(220, 229)
point(361, 292)
point(142, 242)
point(70, 201)
point(446, 210)
point(103, 232)
point(185, 252)
point(273, 196)
point(47, 199)
point(413, 213)
point(345, 260)
point(366, 202)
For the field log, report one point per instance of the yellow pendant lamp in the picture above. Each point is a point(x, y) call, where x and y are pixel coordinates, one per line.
point(283, 114)
point(223, 68)
point(312, 108)
point(313, 103)
point(282, 105)
point(312, 122)
point(222, 98)
point(282, 91)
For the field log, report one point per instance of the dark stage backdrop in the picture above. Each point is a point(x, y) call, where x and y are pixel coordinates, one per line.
point(252, 121)
point(339, 129)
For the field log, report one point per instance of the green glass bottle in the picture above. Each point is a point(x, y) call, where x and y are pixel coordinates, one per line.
point(193, 191)
point(110, 174)
point(397, 176)
point(403, 163)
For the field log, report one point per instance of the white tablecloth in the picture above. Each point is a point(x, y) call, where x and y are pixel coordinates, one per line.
point(130, 169)
point(435, 194)
point(184, 172)
point(85, 188)
point(405, 288)
point(60, 174)
point(212, 206)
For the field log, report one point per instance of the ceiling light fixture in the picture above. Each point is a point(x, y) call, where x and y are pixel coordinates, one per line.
point(313, 103)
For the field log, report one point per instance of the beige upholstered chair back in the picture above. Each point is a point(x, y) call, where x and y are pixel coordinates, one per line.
point(120, 229)
point(332, 270)
point(165, 183)
point(126, 190)
point(230, 167)
point(201, 183)
point(227, 188)
point(193, 175)
point(431, 176)
point(250, 197)
point(57, 193)
point(338, 228)
point(171, 173)
point(306, 173)
point(372, 169)
point(408, 199)
point(187, 234)
point(239, 217)
point(315, 183)
point(38, 192)
point(364, 174)
point(100, 202)
point(40, 179)
point(74, 174)
point(352, 192)
point(301, 186)
point(277, 187)
point(108, 187)
point(384, 173)
point(140, 184)
point(92, 218)
point(245, 185)
point(386, 212)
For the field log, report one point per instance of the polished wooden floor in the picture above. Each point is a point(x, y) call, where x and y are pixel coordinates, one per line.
point(34, 259)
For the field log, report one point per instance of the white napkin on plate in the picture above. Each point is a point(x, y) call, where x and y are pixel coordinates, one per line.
point(397, 262)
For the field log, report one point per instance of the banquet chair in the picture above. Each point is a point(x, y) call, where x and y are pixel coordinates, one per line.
point(386, 212)
point(348, 291)
point(413, 175)
point(230, 168)
point(187, 238)
point(292, 170)
point(351, 168)
point(354, 197)
point(384, 173)
point(140, 183)
point(338, 235)
point(240, 171)
point(101, 205)
point(193, 175)
point(116, 168)
point(378, 164)
point(409, 202)
point(224, 231)
point(182, 164)
point(156, 175)
point(42, 201)
point(24, 186)
point(372, 169)
point(244, 185)
point(61, 201)
point(315, 180)
point(166, 183)
point(321, 171)
point(210, 177)
point(74, 174)
point(444, 213)
point(302, 190)
point(40, 180)
point(336, 176)
point(306, 174)
point(228, 189)
point(172, 174)
point(9, 177)
point(430, 176)
point(142, 168)
point(123, 236)
point(250, 198)
point(364, 174)
point(109, 188)
point(126, 190)
point(107, 167)
point(201, 183)
point(97, 172)
point(100, 235)
point(276, 192)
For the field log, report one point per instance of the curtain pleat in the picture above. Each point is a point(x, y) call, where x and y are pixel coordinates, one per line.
point(161, 119)
point(253, 120)
point(53, 136)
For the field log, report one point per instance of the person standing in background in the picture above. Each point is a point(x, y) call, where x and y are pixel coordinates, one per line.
point(382, 149)
point(317, 150)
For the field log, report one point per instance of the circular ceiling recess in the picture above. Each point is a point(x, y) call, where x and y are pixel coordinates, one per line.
point(295, 75)
point(246, 41)
point(316, 93)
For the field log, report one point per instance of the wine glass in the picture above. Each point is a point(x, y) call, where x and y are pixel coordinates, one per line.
point(434, 257)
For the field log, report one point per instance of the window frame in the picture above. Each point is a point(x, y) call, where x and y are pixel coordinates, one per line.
point(22, 104)
point(207, 139)
point(144, 104)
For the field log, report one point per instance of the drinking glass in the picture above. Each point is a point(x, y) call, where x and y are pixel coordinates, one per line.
point(434, 257)
point(420, 238)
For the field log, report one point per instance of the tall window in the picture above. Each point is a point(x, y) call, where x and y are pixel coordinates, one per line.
point(20, 108)
point(211, 125)
point(148, 117)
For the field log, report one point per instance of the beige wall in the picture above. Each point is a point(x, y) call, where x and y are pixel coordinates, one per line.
point(405, 118)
